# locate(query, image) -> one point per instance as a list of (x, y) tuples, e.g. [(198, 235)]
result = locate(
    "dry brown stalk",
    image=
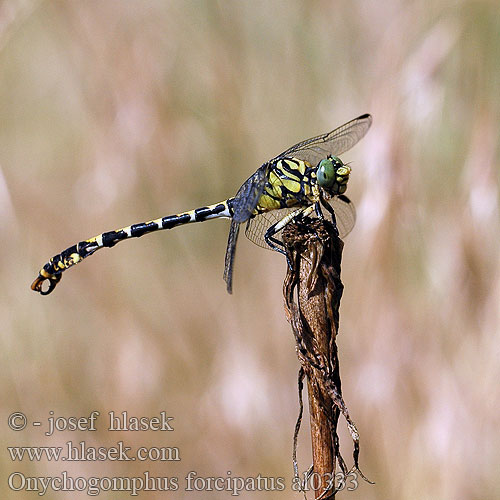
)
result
[(312, 291)]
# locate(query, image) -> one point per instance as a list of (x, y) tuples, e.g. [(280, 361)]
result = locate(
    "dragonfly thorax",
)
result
[(332, 175)]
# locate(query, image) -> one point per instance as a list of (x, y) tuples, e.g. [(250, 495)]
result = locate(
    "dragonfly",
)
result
[(298, 183)]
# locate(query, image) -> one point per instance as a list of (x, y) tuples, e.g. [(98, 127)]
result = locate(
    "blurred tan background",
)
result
[(114, 112)]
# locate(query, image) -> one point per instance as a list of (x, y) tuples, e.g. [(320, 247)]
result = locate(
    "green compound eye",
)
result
[(326, 173)]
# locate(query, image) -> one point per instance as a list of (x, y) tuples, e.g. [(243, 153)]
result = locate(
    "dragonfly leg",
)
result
[(319, 212), (329, 209), (274, 243)]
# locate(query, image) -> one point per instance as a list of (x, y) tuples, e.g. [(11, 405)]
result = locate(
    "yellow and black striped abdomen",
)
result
[(53, 269), (290, 182)]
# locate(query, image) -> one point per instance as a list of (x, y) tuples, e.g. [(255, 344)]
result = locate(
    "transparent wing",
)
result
[(345, 216), (234, 229), (256, 228), (336, 142), (248, 195), (243, 204)]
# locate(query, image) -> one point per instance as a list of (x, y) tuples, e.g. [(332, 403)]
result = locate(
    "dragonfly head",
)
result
[(332, 175)]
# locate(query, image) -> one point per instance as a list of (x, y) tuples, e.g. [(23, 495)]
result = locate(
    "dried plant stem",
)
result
[(312, 291), (323, 452)]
